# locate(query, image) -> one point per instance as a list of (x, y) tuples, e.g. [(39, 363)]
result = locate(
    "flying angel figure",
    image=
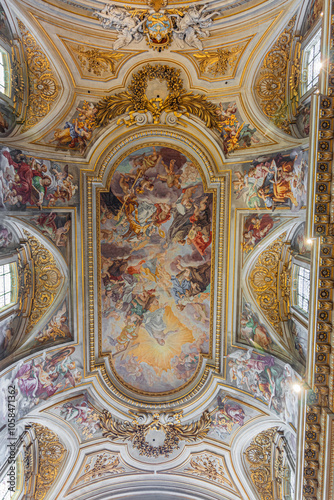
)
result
[(126, 24), (56, 327), (192, 25)]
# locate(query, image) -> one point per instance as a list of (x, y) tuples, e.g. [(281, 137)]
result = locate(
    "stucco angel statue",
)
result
[(128, 26), (183, 25), (192, 25)]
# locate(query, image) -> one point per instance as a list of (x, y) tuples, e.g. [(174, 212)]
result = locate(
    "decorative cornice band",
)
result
[(321, 399)]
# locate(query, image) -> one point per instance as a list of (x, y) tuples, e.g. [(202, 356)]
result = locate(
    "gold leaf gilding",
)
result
[(270, 85), (43, 85), (263, 281), (51, 453), (47, 280), (98, 61)]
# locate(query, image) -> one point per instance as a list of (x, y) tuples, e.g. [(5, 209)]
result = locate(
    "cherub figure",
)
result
[(171, 178)]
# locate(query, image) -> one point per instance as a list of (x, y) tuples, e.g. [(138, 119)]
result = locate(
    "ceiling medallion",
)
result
[(184, 25), (135, 102), (168, 425)]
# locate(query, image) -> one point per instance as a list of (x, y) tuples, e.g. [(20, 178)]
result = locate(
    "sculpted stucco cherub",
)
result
[(184, 26)]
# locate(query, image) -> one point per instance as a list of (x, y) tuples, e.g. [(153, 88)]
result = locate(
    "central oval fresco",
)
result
[(156, 252)]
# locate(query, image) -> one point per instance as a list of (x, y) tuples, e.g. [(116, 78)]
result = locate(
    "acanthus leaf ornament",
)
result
[(217, 62), (43, 86), (210, 467), (100, 466), (51, 454), (98, 61), (258, 455), (185, 26), (48, 280), (263, 281), (137, 430), (271, 81), (135, 103)]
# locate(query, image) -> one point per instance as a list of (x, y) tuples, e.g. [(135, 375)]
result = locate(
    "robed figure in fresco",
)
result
[(156, 237)]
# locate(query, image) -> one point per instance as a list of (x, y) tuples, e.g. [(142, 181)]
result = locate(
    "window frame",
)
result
[(313, 37), (14, 286), (300, 314), (7, 71)]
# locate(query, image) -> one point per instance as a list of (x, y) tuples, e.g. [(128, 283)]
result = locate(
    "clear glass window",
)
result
[(303, 288), (4, 72), (8, 286), (311, 64)]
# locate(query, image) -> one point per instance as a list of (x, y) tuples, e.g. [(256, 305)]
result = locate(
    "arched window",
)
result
[(311, 63), (301, 288), (8, 285), (4, 72)]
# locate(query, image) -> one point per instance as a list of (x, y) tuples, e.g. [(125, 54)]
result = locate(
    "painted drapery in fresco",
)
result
[(156, 235)]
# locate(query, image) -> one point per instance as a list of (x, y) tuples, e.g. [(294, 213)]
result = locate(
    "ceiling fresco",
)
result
[(166, 251), (156, 255)]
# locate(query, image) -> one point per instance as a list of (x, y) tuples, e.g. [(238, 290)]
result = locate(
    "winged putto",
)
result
[(185, 26)]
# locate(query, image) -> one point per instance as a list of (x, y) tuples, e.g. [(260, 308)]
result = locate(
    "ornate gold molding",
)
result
[(25, 282), (264, 281), (137, 430), (99, 466), (270, 86), (134, 103), (218, 62), (258, 455), (321, 399), (47, 280), (51, 453), (119, 150), (209, 467), (97, 61), (17, 80), (294, 79), (43, 85)]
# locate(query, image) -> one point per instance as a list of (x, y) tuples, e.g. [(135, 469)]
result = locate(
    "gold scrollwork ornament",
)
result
[(51, 453), (134, 101), (44, 87), (263, 281), (98, 61), (170, 425), (270, 85), (47, 280)]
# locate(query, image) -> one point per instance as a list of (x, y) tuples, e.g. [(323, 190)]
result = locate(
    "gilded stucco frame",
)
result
[(218, 189)]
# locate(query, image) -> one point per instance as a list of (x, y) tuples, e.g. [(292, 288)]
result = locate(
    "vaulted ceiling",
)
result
[(157, 200)]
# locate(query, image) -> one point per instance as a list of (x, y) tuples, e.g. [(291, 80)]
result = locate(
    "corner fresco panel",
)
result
[(29, 182), (253, 332), (266, 378), (229, 417), (81, 415), (256, 227), (156, 234), (272, 182)]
